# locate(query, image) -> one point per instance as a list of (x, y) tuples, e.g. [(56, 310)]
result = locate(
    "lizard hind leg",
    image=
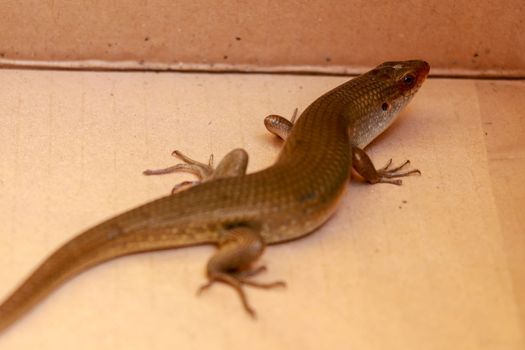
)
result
[(232, 263), (233, 164)]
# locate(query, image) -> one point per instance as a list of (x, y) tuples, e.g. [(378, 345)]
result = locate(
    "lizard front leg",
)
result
[(361, 162), (363, 165), (280, 126)]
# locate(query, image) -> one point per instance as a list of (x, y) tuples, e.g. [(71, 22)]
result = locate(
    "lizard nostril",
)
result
[(385, 106)]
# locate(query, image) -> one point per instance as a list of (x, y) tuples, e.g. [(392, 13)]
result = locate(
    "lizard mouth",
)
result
[(422, 72)]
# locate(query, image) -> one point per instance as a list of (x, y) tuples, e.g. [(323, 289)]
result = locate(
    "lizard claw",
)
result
[(237, 283), (201, 170), (365, 168), (386, 174)]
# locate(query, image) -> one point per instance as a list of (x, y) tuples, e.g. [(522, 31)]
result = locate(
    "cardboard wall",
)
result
[(457, 38)]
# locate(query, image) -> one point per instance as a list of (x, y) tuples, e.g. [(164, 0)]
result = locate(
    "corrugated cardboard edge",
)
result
[(238, 68)]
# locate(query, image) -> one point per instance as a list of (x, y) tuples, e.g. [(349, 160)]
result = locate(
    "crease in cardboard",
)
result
[(241, 68)]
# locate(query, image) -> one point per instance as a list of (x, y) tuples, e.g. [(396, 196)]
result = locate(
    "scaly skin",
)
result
[(241, 213)]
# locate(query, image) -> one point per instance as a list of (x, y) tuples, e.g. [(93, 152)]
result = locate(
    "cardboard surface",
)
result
[(434, 264), (470, 38)]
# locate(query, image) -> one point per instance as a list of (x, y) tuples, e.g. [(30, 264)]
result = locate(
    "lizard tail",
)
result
[(101, 243)]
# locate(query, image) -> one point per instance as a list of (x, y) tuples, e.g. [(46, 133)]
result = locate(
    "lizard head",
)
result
[(399, 81), (386, 91)]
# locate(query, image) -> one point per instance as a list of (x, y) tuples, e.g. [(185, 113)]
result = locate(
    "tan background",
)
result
[(468, 38), (434, 264)]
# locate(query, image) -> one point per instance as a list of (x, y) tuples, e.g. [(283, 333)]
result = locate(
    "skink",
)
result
[(242, 213)]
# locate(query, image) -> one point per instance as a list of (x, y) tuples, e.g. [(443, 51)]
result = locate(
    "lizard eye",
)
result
[(409, 80)]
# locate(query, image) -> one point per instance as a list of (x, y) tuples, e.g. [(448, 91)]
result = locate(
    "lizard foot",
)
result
[(239, 248), (386, 173), (363, 165), (201, 170), (237, 281)]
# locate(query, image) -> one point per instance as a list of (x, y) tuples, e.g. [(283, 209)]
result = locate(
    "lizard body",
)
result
[(241, 213)]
